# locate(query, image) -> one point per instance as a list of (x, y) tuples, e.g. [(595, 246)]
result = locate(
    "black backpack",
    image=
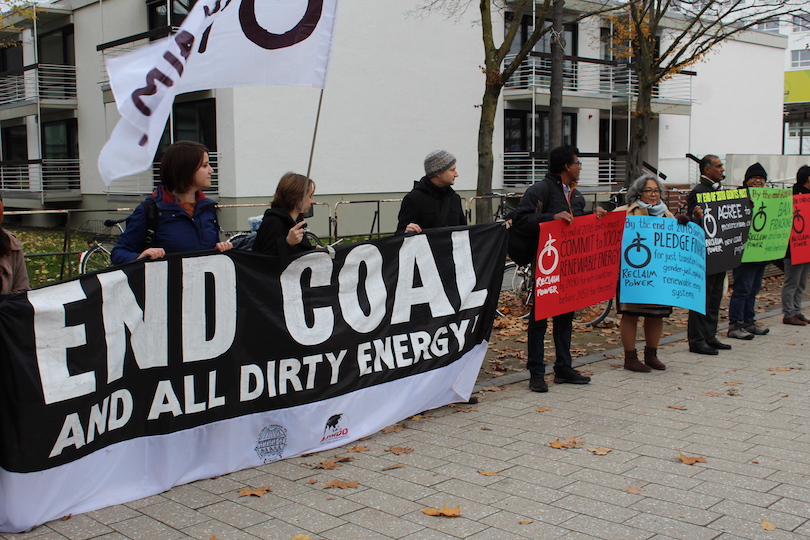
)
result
[(151, 212), (521, 247)]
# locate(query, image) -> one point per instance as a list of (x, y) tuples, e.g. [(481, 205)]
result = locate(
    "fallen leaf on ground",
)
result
[(312, 481), (443, 511), (394, 467), (600, 451), (691, 460), (785, 395), (543, 409), (491, 388), (733, 392), (711, 394), (635, 490), (767, 525), (359, 449), (394, 429), (420, 416), (570, 442), (490, 429), (399, 450), (488, 473), (678, 407), (332, 463), (525, 521), (790, 343), (364, 438), (67, 517), (340, 484), (298, 537), (471, 409), (255, 492), (733, 383)]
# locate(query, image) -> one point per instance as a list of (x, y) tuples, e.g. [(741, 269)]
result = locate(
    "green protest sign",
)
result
[(771, 220)]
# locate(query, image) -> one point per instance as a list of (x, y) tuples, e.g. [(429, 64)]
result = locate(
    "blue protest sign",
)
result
[(663, 262)]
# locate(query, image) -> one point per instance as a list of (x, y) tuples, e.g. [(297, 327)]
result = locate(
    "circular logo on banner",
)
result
[(798, 221), (337, 427), (548, 258), (709, 222), (760, 218), (271, 443), (637, 254), (268, 40)]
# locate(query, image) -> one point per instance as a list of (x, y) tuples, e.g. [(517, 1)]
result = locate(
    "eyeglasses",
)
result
[(577, 163), (651, 191)]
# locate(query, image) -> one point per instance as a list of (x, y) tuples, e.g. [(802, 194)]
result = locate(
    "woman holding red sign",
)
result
[(644, 199)]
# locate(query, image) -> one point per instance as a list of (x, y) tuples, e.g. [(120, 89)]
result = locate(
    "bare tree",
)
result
[(663, 37), (497, 71)]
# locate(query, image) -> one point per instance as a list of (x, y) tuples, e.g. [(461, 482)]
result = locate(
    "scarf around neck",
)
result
[(653, 210)]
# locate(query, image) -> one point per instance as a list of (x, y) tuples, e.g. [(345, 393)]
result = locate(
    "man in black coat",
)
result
[(432, 202), (702, 329), (555, 197)]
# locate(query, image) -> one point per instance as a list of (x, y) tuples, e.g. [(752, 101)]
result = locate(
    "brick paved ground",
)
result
[(740, 410)]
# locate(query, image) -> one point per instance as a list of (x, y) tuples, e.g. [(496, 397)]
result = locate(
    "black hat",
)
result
[(755, 170)]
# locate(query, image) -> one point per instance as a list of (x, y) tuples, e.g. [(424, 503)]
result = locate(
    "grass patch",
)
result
[(43, 270)]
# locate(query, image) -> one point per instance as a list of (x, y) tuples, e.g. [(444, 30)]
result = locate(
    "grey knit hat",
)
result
[(437, 162)]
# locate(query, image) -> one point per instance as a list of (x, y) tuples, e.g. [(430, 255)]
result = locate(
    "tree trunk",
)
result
[(556, 87), (486, 128), (641, 119)]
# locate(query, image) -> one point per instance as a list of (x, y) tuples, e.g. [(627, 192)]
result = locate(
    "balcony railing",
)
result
[(40, 176), (598, 78), (143, 183), (521, 169), (38, 82)]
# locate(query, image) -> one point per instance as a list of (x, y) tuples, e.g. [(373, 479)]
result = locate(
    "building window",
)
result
[(518, 134), (769, 26), (15, 143), (800, 59), (157, 10), (192, 121), (801, 23), (60, 139)]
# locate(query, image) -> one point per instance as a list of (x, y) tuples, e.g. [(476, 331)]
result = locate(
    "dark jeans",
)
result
[(703, 328), (562, 342), (747, 283)]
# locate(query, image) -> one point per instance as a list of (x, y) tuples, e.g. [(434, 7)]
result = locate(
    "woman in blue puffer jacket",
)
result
[(187, 219)]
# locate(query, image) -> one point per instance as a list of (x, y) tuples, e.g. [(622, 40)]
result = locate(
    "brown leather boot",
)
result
[(632, 363), (651, 358)]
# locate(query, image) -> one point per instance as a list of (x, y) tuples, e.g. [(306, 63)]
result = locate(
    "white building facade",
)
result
[(402, 82)]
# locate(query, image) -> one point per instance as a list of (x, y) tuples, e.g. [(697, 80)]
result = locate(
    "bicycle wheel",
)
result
[(515, 296), (95, 258), (593, 315)]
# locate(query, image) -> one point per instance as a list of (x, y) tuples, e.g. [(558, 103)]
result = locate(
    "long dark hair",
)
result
[(291, 191), (5, 241)]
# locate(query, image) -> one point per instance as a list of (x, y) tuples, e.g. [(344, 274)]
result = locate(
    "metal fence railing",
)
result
[(38, 82)]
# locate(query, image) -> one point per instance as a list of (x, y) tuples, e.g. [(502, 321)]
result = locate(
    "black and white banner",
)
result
[(121, 384), (221, 44)]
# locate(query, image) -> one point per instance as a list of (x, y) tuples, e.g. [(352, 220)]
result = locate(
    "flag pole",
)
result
[(314, 135)]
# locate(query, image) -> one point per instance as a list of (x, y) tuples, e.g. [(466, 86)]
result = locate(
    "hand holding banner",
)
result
[(663, 262), (577, 265)]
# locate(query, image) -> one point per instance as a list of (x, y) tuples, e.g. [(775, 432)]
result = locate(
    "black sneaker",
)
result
[(537, 383), (570, 375)]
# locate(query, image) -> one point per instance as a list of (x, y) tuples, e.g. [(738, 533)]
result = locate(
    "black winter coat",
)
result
[(423, 206), (271, 239)]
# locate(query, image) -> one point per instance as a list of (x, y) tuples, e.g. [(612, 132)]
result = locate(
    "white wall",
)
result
[(738, 100)]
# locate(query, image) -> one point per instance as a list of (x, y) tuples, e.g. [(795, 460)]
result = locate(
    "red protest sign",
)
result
[(800, 233), (578, 264)]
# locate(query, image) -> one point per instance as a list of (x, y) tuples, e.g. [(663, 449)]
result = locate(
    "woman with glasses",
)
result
[(644, 199)]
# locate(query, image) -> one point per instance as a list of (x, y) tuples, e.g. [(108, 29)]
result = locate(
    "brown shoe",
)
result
[(802, 317), (651, 358), (632, 363), (794, 320)]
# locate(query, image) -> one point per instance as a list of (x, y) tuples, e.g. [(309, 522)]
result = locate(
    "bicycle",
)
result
[(97, 256), (515, 297)]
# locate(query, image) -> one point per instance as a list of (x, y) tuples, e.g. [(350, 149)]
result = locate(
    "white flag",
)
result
[(221, 44)]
